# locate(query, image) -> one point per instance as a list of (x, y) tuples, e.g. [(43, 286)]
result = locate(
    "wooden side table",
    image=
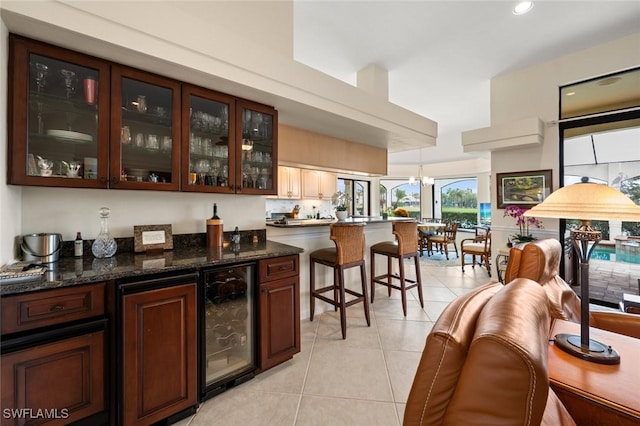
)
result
[(597, 394)]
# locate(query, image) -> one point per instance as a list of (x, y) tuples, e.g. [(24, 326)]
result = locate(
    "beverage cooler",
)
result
[(228, 328)]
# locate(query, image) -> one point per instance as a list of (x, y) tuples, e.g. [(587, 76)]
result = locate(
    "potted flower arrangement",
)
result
[(523, 223), (340, 202)]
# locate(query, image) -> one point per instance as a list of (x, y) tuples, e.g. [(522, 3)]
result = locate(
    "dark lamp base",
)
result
[(596, 352)]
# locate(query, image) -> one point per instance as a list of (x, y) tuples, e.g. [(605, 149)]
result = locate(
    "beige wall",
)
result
[(301, 148), (533, 92)]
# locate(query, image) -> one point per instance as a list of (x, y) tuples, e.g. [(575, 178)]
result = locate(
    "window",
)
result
[(396, 194), (604, 147), (359, 196), (457, 200)]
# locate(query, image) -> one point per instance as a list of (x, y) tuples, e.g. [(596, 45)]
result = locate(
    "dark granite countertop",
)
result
[(298, 223), (70, 271)]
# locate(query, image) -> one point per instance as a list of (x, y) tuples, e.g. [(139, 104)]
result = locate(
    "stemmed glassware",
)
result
[(255, 172), (215, 170), (68, 81), (41, 74), (40, 107)]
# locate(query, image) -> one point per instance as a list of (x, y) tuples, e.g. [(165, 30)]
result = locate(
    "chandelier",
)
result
[(424, 180)]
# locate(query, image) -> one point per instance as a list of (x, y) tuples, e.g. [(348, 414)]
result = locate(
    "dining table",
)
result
[(430, 226)]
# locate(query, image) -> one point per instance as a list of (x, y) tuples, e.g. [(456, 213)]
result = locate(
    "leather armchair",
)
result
[(485, 362), (540, 261)]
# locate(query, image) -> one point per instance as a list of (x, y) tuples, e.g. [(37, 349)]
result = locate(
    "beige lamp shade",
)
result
[(587, 201)]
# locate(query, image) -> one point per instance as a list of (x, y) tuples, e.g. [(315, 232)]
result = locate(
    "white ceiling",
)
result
[(441, 55)]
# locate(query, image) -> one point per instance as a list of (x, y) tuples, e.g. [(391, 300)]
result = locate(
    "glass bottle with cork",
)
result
[(214, 229)]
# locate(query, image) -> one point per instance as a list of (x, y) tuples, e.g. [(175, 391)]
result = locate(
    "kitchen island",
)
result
[(313, 234)]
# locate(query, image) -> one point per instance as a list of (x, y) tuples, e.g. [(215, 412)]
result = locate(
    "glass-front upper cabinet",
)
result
[(256, 128), (59, 106), (145, 130), (208, 154)]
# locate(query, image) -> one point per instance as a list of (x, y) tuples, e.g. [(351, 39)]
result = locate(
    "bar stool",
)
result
[(405, 246), (348, 253)]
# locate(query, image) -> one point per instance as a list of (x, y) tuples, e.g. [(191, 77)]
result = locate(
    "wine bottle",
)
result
[(214, 229)]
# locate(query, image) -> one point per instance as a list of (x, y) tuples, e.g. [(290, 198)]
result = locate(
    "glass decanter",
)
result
[(104, 244)]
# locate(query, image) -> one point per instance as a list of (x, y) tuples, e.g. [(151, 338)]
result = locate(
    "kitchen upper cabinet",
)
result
[(288, 183), (145, 122), (318, 185), (208, 148), (58, 116), (78, 121), (256, 149)]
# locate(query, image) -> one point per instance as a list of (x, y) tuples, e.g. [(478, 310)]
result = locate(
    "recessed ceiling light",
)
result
[(570, 93), (523, 7), (608, 81)]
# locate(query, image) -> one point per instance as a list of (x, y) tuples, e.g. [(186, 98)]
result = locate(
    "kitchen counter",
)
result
[(293, 223), (70, 271)]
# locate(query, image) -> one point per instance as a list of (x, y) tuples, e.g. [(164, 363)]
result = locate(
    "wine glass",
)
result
[(255, 172), (68, 81), (40, 107), (215, 170), (41, 74), (225, 174)]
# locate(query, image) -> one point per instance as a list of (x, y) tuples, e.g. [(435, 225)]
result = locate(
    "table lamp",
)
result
[(586, 201)]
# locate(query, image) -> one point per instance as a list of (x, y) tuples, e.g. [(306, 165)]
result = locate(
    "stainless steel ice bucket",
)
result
[(42, 247)]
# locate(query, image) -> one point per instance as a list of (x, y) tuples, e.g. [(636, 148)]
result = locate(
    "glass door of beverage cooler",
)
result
[(145, 132), (208, 152), (229, 345)]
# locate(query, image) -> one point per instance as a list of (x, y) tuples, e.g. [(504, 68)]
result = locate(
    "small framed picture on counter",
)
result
[(152, 238)]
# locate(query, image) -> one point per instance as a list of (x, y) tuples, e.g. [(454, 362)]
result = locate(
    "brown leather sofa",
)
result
[(485, 362), (540, 261)]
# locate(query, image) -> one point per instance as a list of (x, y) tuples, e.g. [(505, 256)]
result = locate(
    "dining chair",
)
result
[(479, 246), (442, 241)]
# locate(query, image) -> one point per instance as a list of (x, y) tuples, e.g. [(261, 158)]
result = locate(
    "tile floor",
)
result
[(363, 380)]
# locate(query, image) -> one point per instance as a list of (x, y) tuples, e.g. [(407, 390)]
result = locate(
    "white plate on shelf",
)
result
[(69, 135)]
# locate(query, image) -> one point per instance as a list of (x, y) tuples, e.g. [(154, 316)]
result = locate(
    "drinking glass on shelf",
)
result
[(41, 74), (68, 82), (140, 140), (125, 135), (152, 142), (141, 103), (255, 172), (225, 175), (40, 107)]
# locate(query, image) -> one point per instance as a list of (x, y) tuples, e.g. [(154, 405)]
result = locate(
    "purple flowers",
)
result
[(522, 222)]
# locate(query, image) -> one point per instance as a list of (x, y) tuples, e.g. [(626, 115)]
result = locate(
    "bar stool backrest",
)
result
[(407, 235), (349, 240)]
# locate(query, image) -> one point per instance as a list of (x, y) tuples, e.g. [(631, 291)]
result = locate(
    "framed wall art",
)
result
[(151, 238), (524, 189)]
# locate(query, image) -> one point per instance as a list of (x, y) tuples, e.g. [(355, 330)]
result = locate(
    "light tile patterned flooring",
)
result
[(363, 380)]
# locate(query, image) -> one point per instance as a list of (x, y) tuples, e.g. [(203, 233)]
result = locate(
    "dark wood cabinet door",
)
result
[(256, 165), (58, 127), (145, 130), (64, 379), (159, 371), (279, 321), (208, 136)]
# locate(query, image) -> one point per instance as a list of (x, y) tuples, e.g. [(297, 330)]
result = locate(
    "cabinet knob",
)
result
[(115, 180), (56, 308)]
